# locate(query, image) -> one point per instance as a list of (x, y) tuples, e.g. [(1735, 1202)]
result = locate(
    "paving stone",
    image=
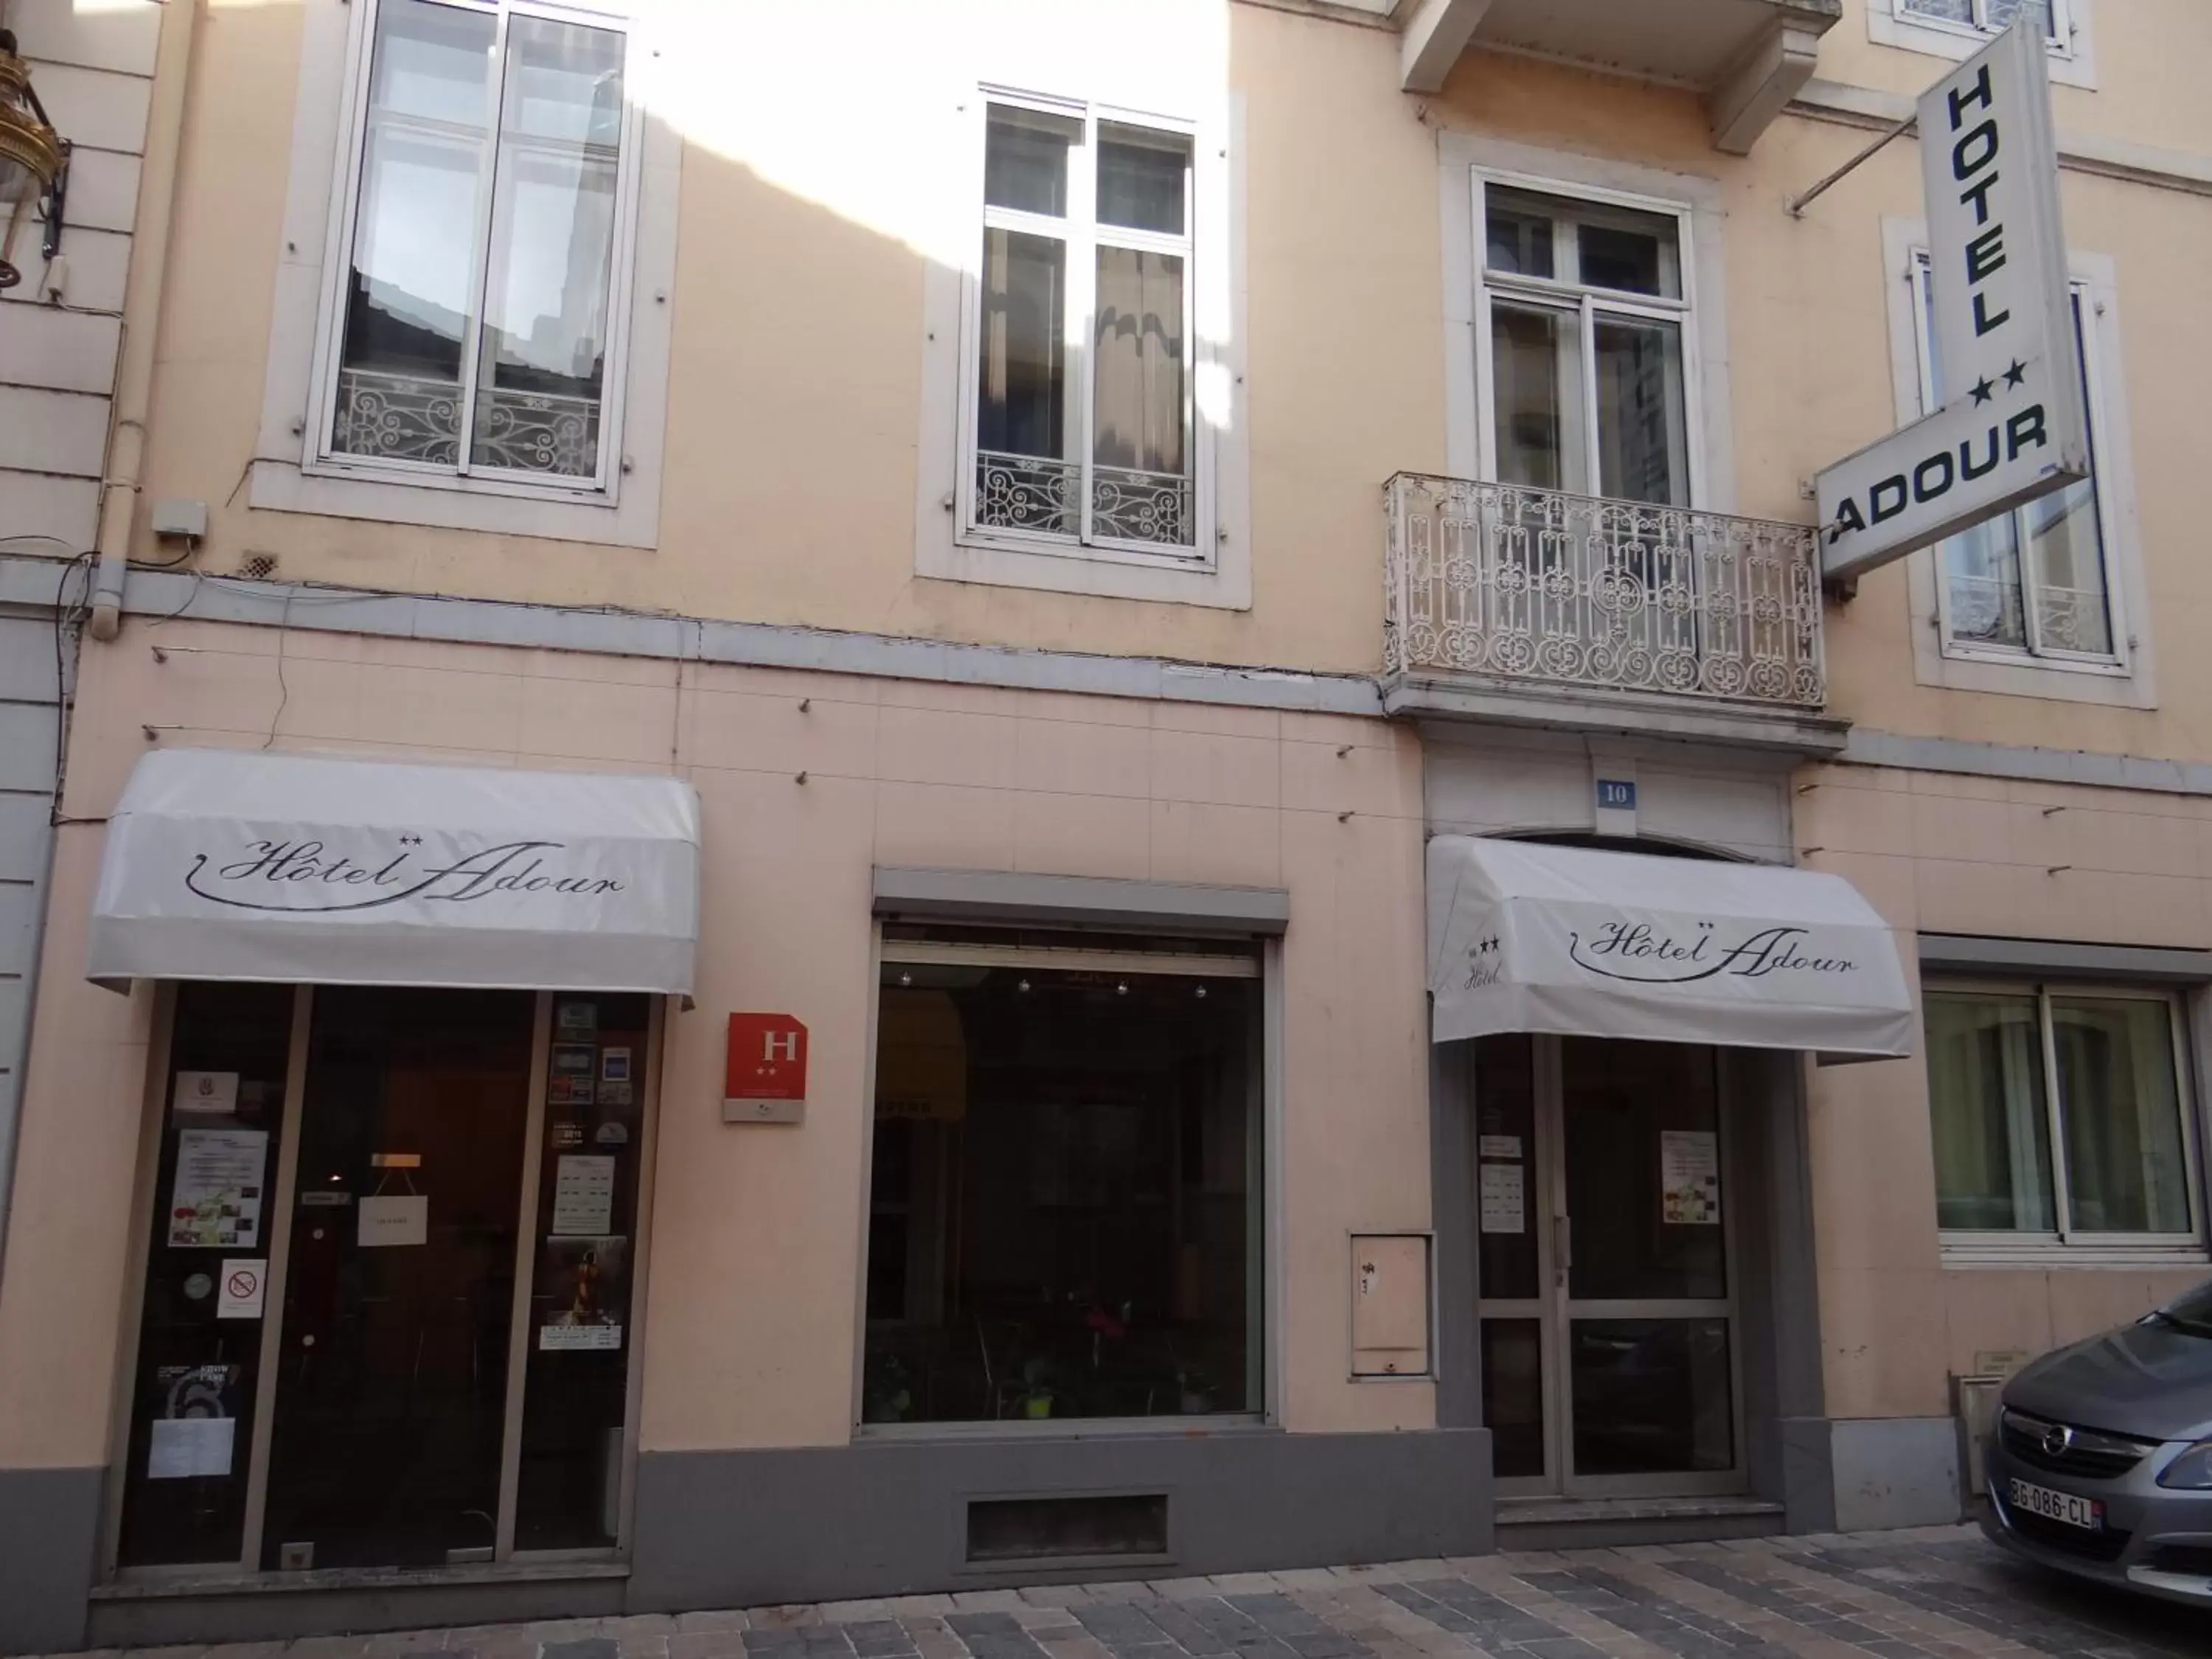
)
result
[(706, 1644), (726, 1619), (591, 1647)]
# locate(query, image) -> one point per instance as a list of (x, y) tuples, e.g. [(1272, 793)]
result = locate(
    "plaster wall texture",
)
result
[(752, 1315), (1942, 854)]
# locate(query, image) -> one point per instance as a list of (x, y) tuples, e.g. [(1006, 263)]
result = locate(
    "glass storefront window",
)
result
[(198, 1372), (2058, 1114), (577, 1390), (1064, 1214)]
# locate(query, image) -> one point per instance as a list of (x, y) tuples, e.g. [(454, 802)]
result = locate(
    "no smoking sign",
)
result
[(241, 1289)]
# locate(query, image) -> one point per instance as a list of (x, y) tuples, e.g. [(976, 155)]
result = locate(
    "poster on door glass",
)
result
[(196, 1434), (1689, 1177), (585, 1281), (1503, 1210), (214, 1202)]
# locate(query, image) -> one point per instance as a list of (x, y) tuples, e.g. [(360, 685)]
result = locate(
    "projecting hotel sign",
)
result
[(2013, 425)]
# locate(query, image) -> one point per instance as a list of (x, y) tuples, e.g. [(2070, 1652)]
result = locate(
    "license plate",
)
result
[(2063, 1507)]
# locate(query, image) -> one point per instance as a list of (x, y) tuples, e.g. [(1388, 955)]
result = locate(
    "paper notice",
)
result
[(1503, 1209), (216, 1198), (583, 1195), (575, 1339), (1505, 1147), (186, 1448), (393, 1218), (1689, 1177), (214, 1094)]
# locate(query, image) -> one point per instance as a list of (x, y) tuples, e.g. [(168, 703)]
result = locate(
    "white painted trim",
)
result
[(2073, 64), (287, 474), (1699, 204), (2132, 681), (1219, 572)]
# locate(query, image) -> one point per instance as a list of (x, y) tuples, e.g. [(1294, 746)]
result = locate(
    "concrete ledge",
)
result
[(1588, 709), (889, 1517)]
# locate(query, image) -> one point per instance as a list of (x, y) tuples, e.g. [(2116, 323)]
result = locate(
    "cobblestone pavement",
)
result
[(1937, 1594)]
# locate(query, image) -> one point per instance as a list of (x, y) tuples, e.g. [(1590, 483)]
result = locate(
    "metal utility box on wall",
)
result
[(1393, 1305)]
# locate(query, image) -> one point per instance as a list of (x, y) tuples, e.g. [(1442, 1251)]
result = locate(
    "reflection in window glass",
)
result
[(1536, 383), (551, 260), (1025, 160), (2125, 1169), (1641, 424), (1986, 1102), (1023, 398), (484, 235), (1518, 242), (1513, 1396), (1141, 180), (410, 303), (2054, 599), (1118, 463), (1063, 1215)]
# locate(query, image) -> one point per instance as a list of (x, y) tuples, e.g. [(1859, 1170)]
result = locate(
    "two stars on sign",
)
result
[(2013, 376)]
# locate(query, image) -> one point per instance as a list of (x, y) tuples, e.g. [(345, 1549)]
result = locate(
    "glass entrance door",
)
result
[(1607, 1310), (398, 1297)]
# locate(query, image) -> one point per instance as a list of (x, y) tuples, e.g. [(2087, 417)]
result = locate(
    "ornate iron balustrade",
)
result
[(1500, 581), (1030, 492), (416, 418)]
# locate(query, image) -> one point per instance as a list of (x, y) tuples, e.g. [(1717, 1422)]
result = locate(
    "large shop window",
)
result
[(2060, 1117), (1065, 1213), (1083, 423), (1587, 313), (470, 329), (358, 1348), (2036, 582)]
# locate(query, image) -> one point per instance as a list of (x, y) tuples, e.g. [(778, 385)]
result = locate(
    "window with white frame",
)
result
[(1585, 307), (471, 328), (1990, 16), (1080, 422), (2061, 1115), (2036, 582)]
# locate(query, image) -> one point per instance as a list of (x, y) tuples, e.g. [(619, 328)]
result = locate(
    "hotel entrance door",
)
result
[(1605, 1280)]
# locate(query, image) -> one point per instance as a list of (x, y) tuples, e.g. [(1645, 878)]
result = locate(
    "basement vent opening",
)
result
[(1052, 1528)]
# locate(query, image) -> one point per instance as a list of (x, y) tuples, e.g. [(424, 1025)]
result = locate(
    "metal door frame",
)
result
[(1555, 1309), (277, 1238)]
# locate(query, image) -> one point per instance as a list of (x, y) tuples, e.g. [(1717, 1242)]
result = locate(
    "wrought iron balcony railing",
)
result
[(1500, 583)]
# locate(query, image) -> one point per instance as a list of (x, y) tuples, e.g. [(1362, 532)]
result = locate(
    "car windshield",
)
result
[(2191, 1312)]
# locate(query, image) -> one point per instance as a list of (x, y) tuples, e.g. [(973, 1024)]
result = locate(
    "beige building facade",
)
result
[(1055, 518)]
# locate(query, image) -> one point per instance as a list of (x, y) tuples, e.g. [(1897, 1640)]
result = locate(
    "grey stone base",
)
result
[(49, 1549), (269, 1608), (889, 1517), (1895, 1472)]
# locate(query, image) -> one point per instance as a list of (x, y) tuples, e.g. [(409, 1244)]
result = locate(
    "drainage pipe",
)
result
[(142, 301)]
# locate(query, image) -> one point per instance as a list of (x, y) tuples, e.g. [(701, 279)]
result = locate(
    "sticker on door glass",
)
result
[(215, 1198), (583, 1195), (1504, 1147), (1689, 1177), (1503, 1209)]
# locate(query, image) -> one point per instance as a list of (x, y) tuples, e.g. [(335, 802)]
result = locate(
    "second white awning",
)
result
[(1573, 941)]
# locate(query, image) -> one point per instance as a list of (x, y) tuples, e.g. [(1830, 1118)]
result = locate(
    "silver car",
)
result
[(2101, 1461)]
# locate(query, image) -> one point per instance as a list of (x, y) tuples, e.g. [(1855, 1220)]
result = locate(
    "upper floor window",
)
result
[(1081, 418), (1991, 17), (1585, 308), (472, 322), (2060, 1115), (2037, 582)]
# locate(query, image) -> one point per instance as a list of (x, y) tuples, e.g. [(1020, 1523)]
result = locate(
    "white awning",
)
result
[(235, 864), (1524, 936)]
